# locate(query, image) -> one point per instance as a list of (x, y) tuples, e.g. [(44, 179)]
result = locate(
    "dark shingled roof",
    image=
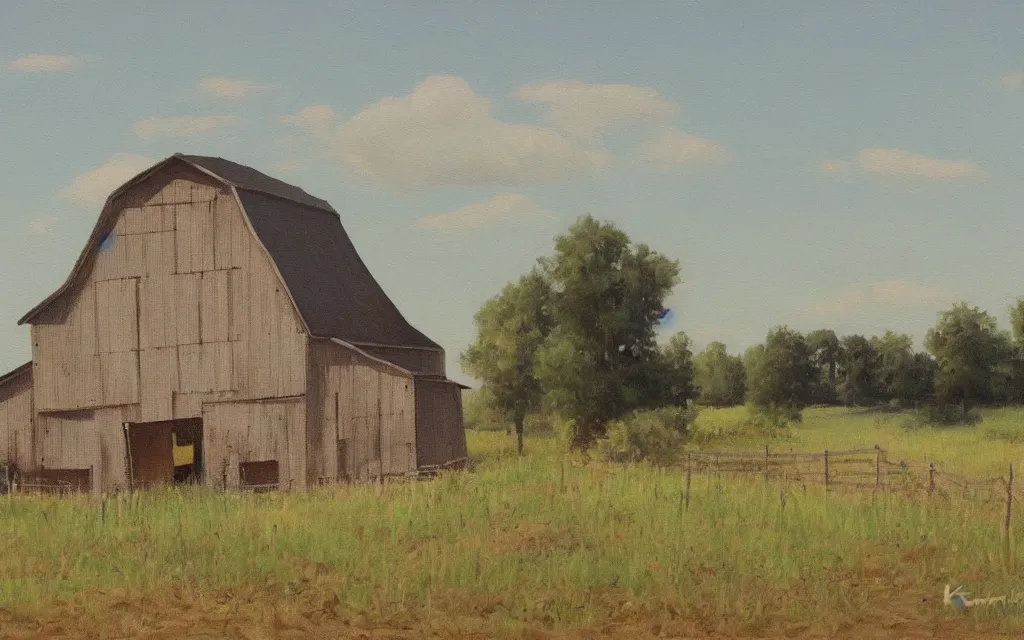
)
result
[(250, 179), (333, 289)]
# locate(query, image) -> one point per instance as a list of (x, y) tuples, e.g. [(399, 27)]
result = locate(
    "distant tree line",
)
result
[(576, 336)]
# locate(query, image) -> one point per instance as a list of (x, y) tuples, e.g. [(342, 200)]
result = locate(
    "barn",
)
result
[(220, 326)]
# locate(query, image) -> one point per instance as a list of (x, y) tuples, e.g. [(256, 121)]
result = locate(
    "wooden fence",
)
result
[(853, 469)]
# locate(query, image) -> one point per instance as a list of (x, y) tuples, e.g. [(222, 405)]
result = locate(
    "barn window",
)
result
[(259, 476)]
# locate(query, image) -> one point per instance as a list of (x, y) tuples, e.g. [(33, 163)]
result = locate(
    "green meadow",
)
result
[(555, 541)]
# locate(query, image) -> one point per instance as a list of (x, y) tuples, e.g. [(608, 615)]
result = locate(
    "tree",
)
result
[(824, 347), (894, 357), (602, 361), (511, 327), (857, 371), (779, 372), (972, 356), (680, 373), (720, 378)]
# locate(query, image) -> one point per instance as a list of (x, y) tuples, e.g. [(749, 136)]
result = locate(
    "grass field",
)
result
[(543, 546)]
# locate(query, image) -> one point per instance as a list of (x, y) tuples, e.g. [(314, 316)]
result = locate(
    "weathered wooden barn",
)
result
[(222, 311)]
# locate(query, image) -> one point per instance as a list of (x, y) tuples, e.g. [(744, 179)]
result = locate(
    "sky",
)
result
[(852, 165)]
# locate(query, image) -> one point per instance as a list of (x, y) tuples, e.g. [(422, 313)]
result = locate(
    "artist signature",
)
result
[(959, 599)]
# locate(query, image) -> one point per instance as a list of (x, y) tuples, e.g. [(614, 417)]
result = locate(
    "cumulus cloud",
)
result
[(674, 148), (587, 111), (1011, 81), (42, 63), (42, 225), (230, 89), (887, 294), (834, 166), (93, 187), (316, 119), (898, 162), (443, 133), (481, 214), (155, 127)]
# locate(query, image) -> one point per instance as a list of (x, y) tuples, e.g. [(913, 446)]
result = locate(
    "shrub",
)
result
[(942, 415), (654, 436), (480, 414)]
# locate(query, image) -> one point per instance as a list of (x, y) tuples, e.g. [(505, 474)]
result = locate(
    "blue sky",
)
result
[(851, 165)]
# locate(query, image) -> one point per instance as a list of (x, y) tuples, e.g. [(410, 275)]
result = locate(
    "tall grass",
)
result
[(537, 537)]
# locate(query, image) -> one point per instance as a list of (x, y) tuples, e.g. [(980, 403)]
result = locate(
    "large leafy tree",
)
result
[(511, 327), (972, 356), (720, 377), (825, 350), (602, 360), (779, 372), (858, 364), (678, 356)]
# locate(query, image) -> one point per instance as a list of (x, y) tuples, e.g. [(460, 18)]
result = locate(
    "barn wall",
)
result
[(352, 400), (87, 439), (181, 301), (16, 421), (180, 307), (426, 361), (440, 433), (255, 431)]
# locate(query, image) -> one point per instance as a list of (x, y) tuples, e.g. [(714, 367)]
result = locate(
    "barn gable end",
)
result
[(213, 297)]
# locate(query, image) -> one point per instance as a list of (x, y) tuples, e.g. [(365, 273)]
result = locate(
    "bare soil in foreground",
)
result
[(309, 609)]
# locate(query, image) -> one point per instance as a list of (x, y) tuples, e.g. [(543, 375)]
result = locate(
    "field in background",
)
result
[(542, 546)]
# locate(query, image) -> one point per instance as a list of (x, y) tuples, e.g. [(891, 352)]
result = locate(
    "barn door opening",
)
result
[(167, 452)]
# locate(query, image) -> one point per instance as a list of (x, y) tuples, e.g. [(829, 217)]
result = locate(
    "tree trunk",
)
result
[(519, 435)]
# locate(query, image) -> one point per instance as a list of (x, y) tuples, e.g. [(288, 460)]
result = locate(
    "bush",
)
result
[(656, 436), (773, 420), (479, 413), (942, 415)]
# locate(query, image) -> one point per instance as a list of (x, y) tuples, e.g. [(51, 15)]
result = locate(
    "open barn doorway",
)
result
[(167, 452)]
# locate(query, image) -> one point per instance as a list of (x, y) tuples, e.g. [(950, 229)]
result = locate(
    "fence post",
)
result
[(931, 477), (878, 467), (1009, 511), (826, 469), (765, 462), (689, 469)]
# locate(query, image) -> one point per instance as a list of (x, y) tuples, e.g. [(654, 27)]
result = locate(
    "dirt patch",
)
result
[(310, 608)]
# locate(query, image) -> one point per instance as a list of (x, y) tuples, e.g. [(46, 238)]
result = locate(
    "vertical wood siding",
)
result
[(365, 405), (16, 421), (180, 307), (237, 432), (440, 434)]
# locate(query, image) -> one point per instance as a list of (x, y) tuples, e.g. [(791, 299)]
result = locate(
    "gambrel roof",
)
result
[(333, 291)]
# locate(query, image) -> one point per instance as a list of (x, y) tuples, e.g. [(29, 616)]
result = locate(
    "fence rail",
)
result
[(857, 469)]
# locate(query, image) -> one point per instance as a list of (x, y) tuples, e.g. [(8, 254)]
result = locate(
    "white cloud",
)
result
[(481, 214), (587, 111), (179, 126), (42, 225), (888, 294), (316, 119), (443, 133), (674, 148), (1011, 81), (230, 89), (897, 162), (41, 63), (834, 166), (93, 187)]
